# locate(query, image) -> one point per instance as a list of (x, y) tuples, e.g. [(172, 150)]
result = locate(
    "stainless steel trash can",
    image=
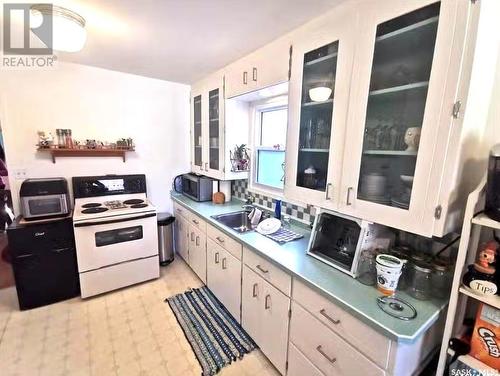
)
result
[(165, 238)]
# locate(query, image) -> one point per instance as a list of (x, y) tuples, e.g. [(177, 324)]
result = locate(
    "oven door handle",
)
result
[(97, 223)]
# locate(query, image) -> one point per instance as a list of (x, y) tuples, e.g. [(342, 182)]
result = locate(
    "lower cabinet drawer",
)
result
[(267, 270), (325, 349), (299, 365), (343, 323), (180, 210), (196, 221), (229, 244)]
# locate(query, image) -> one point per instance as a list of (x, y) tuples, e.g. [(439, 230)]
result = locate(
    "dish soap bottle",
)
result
[(277, 210)]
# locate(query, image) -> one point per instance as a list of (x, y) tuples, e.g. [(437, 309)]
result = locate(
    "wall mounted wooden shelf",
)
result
[(85, 153)]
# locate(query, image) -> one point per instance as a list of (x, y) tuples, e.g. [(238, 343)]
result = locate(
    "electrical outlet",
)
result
[(20, 174)]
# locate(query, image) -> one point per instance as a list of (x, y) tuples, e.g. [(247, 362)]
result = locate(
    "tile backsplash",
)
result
[(303, 214)]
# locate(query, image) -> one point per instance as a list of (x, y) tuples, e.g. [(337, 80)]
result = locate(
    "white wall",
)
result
[(96, 104)]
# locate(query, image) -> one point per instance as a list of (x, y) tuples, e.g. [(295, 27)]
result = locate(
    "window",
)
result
[(268, 169)]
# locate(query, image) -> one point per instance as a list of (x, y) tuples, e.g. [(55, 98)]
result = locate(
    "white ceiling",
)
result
[(183, 40)]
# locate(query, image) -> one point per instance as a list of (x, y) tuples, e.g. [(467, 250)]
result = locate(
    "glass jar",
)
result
[(367, 269), (60, 138), (402, 254), (420, 280), (441, 279)]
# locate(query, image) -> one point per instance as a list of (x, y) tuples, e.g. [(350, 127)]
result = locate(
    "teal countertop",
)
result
[(347, 292)]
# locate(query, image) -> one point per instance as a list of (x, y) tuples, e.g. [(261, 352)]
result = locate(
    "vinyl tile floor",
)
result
[(131, 331)]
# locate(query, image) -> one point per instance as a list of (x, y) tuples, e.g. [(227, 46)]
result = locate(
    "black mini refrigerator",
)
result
[(44, 262)]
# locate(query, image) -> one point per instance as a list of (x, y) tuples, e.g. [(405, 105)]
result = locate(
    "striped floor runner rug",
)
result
[(215, 336)]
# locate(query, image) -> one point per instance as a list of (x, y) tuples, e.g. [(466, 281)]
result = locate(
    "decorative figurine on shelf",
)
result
[(412, 138), (480, 277), (45, 141)]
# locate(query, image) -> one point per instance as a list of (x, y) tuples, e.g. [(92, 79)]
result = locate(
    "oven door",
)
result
[(110, 241), (336, 240), (44, 206), (191, 186)]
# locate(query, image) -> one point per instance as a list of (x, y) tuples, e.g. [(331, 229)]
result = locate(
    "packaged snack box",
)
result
[(485, 342)]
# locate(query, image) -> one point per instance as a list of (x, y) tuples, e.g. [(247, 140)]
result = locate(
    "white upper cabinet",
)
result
[(267, 66), (372, 127), (211, 140), (197, 131), (396, 110), (318, 102), (207, 127)]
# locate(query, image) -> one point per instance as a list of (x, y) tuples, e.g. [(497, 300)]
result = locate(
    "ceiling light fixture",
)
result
[(69, 33)]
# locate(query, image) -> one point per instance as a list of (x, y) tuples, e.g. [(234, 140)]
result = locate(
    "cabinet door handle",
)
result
[(267, 302), (219, 239), (224, 263), (192, 236), (196, 222), (245, 78), (327, 191), (206, 166), (331, 319), (216, 257), (320, 350), (262, 269), (254, 290), (197, 240), (254, 74), (348, 198)]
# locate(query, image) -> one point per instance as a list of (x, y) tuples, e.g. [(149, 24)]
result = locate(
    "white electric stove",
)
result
[(116, 232)]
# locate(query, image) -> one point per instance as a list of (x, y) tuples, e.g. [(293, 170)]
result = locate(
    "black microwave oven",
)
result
[(196, 187)]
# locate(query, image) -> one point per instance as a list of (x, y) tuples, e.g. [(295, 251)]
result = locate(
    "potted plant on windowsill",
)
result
[(239, 158)]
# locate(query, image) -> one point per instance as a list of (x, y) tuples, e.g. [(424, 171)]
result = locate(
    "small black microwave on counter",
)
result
[(196, 187)]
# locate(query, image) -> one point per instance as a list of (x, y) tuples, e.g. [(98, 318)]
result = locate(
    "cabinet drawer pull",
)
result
[(267, 302), (325, 315), (327, 191), (262, 269), (217, 257), (196, 222), (197, 240), (348, 199), (254, 290), (254, 74), (320, 350), (192, 236), (224, 263), (219, 239), (178, 210), (245, 78)]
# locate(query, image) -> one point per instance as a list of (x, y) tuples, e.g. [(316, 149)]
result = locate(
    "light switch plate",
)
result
[(20, 174)]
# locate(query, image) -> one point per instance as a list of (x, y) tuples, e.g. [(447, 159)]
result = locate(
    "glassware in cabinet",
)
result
[(401, 68), (197, 131), (318, 83), (214, 129)]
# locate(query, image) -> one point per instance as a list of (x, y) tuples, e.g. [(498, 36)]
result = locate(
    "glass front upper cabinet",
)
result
[(318, 83), (401, 68), (213, 129), (197, 135)]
